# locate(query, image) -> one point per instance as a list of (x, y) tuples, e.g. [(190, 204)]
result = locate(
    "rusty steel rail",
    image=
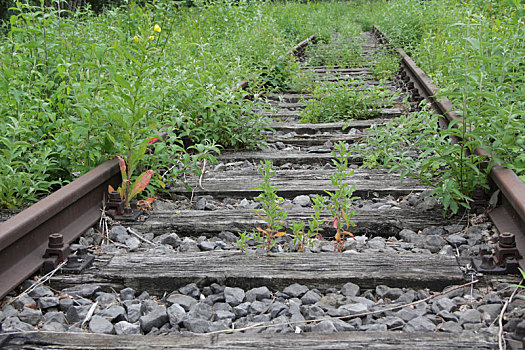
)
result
[(69, 211), (509, 215)]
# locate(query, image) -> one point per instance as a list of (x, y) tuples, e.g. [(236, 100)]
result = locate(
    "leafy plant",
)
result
[(241, 242), (129, 188), (304, 238), (385, 64), (398, 146), (272, 212), (342, 100), (341, 199), (336, 54)]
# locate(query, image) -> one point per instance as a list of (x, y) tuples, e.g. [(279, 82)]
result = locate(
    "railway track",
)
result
[(179, 270)]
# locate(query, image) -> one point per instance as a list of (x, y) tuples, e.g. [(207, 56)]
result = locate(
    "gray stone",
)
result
[(197, 325), (313, 312), (201, 310), (48, 302), (207, 246), (451, 327), (362, 300), (126, 328), (81, 290), (407, 297), (189, 245), (171, 239), (434, 230), (259, 293), (420, 324), (472, 326), (227, 236), (201, 204), (133, 312), (176, 314), (220, 325), (30, 316), (295, 290), (391, 321), (326, 326), (13, 324), (234, 296), (77, 313), (377, 243), (191, 290), (55, 316), (353, 309), (421, 251), (443, 304), (434, 243), (65, 304), (302, 200), (127, 294), (41, 291), (447, 316), (489, 311), (183, 300), (492, 298), (25, 300), (342, 326), (407, 314), (115, 313), (53, 326), (376, 327), (470, 316), (242, 310), (118, 234), (258, 306), (310, 297), (99, 324), (222, 306), (447, 250), (105, 299), (155, 318), (387, 292), (456, 240), (223, 314), (133, 243), (148, 306), (409, 236), (350, 290), (277, 308)]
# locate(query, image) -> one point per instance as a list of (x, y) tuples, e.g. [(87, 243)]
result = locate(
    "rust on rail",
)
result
[(69, 211), (509, 215)]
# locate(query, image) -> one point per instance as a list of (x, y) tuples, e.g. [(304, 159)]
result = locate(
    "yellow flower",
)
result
[(136, 38), (151, 37), (157, 28)]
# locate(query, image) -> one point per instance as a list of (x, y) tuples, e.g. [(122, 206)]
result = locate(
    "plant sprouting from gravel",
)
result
[(272, 212), (303, 238), (341, 206)]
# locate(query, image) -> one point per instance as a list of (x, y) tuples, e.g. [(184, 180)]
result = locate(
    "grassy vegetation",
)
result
[(80, 88), (475, 51)]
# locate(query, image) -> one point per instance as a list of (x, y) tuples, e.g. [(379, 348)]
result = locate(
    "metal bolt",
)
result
[(56, 240), (507, 240)]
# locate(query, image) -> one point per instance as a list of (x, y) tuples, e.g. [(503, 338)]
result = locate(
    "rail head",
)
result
[(69, 211)]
